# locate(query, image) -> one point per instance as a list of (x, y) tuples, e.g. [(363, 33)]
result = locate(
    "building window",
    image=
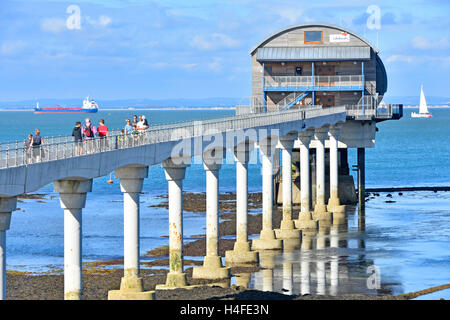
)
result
[(313, 37)]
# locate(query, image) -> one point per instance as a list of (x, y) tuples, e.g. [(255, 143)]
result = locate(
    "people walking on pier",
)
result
[(142, 124), (121, 138), (27, 147), (37, 143), (103, 133), (89, 131), (128, 127), (76, 133), (135, 134)]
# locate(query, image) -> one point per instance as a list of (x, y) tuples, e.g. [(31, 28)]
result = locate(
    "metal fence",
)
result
[(319, 81), (13, 154)]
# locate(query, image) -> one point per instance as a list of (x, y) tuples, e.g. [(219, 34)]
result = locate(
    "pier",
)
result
[(313, 116)]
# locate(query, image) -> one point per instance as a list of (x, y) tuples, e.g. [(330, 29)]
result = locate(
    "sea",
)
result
[(406, 237)]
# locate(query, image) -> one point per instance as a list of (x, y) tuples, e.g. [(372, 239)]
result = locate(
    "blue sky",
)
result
[(197, 49)]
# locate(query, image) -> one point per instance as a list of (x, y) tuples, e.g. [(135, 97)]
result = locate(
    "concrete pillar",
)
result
[(305, 220), (320, 208), (7, 206), (212, 265), (287, 228), (267, 240), (131, 286), (72, 195), (241, 254), (361, 179), (175, 171), (334, 203)]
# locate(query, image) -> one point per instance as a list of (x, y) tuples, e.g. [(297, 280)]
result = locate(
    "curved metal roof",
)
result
[(298, 26)]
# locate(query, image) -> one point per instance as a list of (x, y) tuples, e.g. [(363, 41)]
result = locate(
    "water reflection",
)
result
[(321, 263)]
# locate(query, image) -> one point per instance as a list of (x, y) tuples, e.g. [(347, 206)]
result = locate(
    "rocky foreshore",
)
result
[(101, 276)]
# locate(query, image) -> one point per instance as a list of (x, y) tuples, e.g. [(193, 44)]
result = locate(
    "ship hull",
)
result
[(420, 115), (63, 110)]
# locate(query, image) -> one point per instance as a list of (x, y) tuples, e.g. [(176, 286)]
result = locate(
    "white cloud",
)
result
[(216, 64), (420, 42), (12, 47), (53, 25), (102, 21), (399, 58), (215, 41), (289, 13)]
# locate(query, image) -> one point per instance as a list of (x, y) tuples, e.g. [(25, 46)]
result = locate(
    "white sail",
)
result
[(423, 103)]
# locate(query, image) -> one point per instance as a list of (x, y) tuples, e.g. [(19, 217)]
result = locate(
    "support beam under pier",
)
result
[(7, 206), (72, 195), (267, 240), (131, 285), (212, 265), (175, 171), (241, 254), (287, 228), (361, 178)]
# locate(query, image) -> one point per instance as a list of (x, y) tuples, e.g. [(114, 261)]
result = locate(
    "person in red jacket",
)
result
[(103, 133)]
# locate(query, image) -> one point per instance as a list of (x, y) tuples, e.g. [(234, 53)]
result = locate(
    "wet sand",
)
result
[(101, 276)]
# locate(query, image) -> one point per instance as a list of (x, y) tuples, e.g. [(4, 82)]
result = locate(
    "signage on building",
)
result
[(341, 37)]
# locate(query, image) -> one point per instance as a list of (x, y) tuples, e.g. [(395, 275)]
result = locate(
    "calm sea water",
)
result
[(407, 239)]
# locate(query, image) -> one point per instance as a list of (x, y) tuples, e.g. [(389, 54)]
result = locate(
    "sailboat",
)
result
[(423, 108)]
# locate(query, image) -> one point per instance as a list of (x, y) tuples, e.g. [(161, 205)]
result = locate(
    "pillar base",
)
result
[(288, 233), (211, 269), (322, 216), (124, 295), (305, 221), (334, 205), (131, 288), (174, 280), (241, 254), (291, 244), (72, 295), (287, 230), (267, 241)]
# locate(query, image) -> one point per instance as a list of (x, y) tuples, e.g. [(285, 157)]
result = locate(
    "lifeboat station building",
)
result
[(310, 65)]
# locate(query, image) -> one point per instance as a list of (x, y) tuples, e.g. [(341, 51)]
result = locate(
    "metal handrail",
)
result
[(62, 147), (319, 81)]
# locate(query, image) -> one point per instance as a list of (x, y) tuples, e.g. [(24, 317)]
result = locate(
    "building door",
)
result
[(324, 75)]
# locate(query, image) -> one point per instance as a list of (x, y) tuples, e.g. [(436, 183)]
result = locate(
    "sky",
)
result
[(124, 49)]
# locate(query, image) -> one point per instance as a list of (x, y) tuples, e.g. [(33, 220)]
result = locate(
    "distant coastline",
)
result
[(189, 108), (139, 109)]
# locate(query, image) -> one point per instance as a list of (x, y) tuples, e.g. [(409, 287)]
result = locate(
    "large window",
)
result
[(313, 37)]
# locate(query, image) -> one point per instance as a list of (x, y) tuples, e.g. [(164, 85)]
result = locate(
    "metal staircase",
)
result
[(291, 99)]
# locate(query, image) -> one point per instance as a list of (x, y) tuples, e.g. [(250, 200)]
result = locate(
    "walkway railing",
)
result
[(13, 154), (319, 81)]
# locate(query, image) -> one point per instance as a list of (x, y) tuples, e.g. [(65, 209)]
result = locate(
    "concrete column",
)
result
[(131, 286), (334, 203), (241, 254), (72, 195), (7, 206), (305, 220), (361, 179), (267, 239), (175, 172), (212, 265), (287, 228), (320, 208)]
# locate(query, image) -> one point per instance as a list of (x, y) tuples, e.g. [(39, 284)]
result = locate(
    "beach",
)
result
[(101, 276)]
